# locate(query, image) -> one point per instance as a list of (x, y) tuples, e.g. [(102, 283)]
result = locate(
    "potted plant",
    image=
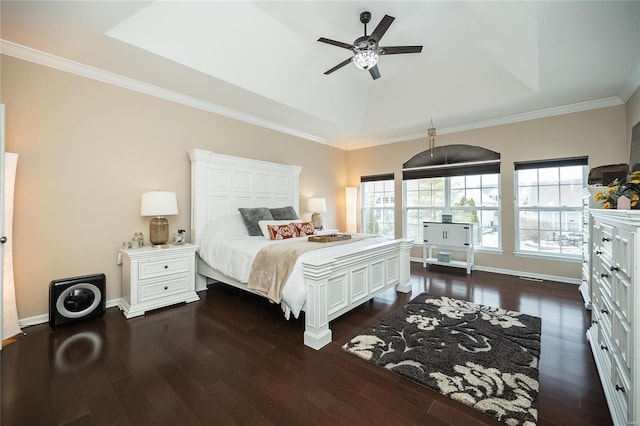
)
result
[(628, 187)]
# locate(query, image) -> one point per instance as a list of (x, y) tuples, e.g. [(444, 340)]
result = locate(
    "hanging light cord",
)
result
[(431, 137)]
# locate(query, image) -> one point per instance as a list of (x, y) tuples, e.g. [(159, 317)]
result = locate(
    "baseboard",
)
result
[(526, 275), (41, 319)]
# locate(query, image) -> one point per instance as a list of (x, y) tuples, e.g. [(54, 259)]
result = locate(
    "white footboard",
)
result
[(340, 284)]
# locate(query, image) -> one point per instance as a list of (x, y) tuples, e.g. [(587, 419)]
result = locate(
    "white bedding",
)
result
[(226, 246)]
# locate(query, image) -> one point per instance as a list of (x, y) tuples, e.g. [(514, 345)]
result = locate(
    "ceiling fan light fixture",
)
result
[(366, 49), (365, 58)]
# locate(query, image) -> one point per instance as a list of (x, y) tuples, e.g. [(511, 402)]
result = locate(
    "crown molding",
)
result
[(45, 59), (507, 119), (62, 64)]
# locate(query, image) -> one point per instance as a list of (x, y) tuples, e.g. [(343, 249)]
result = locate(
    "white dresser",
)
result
[(157, 277), (614, 332), (588, 202), (450, 236)]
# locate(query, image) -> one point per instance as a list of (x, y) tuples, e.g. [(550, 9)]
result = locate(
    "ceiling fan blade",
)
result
[(336, 43), (382, 27), (394, 50), (340, 65), (375, 72)]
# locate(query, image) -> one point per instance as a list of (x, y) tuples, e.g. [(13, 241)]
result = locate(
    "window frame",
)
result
[(448, 208), (386, 210), (563, 212)]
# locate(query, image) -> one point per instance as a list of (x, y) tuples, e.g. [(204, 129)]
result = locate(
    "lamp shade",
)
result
[(317, 205), (351, 205), (159, 203)]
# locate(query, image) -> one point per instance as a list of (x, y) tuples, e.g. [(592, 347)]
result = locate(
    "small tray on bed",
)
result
[(328, 238)]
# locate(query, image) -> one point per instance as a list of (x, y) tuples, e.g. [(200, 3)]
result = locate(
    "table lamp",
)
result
[(317, 205), (159, 204)]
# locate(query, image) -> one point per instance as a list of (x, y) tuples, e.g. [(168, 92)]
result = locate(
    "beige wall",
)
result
[(600, 134), (88, 150)]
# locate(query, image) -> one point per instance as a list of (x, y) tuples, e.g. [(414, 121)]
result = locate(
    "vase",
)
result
[(624, 203)]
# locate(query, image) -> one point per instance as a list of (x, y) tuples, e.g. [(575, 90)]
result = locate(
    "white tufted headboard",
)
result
[(222, 183)]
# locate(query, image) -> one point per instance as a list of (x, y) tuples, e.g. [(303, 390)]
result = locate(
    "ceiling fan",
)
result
[(366, 49)]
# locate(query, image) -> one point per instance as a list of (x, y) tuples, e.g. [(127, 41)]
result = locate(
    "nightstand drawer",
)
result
[(161, 267), (163, 288)]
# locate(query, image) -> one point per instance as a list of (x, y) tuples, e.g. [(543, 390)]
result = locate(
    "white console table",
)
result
[(451, 236)]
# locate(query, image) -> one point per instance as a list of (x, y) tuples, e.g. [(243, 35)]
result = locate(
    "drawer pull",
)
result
[(598, 252), (595, 321), (166, 288), (604, 311), (619, 388), (605, 239), (604, 275), (166, 266), (604, 348), (614, 268)]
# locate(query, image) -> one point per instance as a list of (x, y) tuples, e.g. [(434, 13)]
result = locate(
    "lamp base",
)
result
[(318, 221), (158, 231)]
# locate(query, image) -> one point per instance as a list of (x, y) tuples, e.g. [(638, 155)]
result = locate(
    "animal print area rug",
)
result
[(484, 357)]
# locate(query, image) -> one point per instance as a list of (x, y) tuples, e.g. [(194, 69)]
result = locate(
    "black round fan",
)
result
[(366, 49)]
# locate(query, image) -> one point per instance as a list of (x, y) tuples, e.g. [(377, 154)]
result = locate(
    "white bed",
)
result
[(332, 282)]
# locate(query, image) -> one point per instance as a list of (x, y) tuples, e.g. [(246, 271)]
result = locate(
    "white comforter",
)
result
[(233, 254)]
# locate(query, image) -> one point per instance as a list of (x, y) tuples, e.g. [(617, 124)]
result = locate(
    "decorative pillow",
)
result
[(263, 224), (226, 226), (284, 213), (282, 232), (304, 229), (251, 217)]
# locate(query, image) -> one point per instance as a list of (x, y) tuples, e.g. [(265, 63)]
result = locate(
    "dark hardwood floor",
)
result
[(232, 359)]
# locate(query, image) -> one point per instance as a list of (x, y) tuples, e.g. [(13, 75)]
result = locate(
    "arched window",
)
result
[(461, 180)]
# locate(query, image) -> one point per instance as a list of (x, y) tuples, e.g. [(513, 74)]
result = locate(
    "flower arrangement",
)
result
[(629, 187)]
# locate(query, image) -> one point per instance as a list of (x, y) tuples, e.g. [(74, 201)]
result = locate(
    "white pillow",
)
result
[(263, 224), (226, 226)]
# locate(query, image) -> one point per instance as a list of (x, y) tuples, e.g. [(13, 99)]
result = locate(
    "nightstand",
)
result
[(157, 277)]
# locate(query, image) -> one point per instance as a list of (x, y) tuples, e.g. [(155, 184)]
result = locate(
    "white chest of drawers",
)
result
[(157, 277), (615, 299), (588, 202)]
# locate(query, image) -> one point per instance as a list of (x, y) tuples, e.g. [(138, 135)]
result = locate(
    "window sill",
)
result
[(488, 251), (558, 258)]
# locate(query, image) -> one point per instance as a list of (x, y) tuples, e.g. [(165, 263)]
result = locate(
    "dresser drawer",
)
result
[(606, 313), (623, 252), (606, 240), (165, 287), (622, 294), (161, 267), (621, 389), (604, 349), (586, 272), (621, 333), (602, 272)]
